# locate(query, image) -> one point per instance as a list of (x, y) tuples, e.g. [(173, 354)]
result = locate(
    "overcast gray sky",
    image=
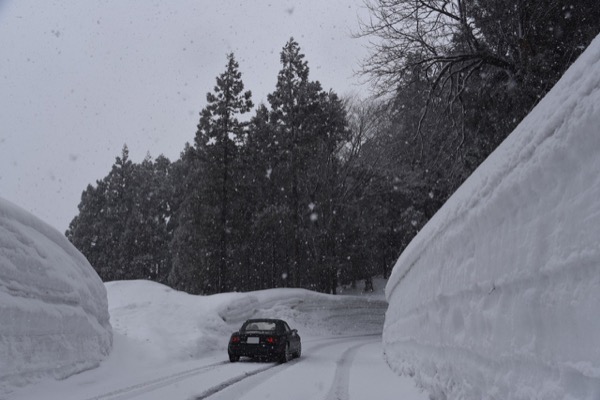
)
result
[(80, 78)]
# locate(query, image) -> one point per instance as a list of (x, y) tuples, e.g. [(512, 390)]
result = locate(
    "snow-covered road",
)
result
[(336, 368), (171, 345), (332, 368)]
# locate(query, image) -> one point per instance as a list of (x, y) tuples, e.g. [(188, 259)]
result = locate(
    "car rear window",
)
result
[(260, 326)]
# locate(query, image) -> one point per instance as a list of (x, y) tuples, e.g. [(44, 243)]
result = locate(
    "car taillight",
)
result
[(235, 339), (271, 340)]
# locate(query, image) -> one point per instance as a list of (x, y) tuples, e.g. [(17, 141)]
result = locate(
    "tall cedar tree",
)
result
[(217, 139), (267, 239), (307, 125)]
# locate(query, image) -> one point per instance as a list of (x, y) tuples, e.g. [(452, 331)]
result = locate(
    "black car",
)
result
[(265, 339)]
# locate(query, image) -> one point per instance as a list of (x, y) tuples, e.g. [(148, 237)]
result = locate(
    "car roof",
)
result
[(264, 320)]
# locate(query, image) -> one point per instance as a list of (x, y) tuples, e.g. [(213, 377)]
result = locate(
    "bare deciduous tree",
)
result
[(437, 38), (514, 50)]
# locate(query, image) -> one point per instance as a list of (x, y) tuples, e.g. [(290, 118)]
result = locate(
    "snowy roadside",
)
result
[(57, 343), (180, 326), (54, 319), (498, 295), (160, 333)]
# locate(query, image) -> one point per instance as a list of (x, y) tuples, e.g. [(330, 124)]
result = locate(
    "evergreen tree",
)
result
[(122, 223), (219, 134), (289, 103), (189, 267), (267, 238), (305, 126), (87, 231), (146, 238), (285, 199)]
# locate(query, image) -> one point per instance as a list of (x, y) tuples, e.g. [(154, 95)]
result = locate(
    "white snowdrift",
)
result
[(54, 318), (498, 296), (175, 326), (160, 332)]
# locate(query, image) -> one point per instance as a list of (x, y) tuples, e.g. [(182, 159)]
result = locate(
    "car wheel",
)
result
[(233, 358), (299, 352), (286, 356)]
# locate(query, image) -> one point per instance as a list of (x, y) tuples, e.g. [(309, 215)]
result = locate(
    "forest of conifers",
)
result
[(312, 190)]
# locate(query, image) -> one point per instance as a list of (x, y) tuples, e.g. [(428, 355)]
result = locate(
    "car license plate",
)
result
[(252, 340)]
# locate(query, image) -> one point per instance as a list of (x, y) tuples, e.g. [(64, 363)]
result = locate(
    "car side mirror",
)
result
[(294, 331)]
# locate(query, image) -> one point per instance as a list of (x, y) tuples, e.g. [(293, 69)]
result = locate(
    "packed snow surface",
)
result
[(177, 325), (498, 296), (54, 317), (169, 344)]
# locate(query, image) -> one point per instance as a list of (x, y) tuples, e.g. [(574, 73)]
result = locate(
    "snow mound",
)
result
[(54, 318), (498, 295), (173, 325), (160, 334)]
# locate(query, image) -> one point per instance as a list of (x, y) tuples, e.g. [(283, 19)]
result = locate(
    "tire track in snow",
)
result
[(340, 387), (230, 382), (243, 387), (148, 386)]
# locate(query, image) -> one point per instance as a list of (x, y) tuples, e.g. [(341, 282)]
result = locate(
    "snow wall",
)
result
[(498, 297), (54, 319)]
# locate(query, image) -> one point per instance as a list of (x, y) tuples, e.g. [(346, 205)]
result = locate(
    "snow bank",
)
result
[(176, 326), (53, 309), (498, 296), (161, 334)]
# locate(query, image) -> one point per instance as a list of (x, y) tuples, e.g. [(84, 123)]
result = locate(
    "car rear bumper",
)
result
[(256, 350)]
